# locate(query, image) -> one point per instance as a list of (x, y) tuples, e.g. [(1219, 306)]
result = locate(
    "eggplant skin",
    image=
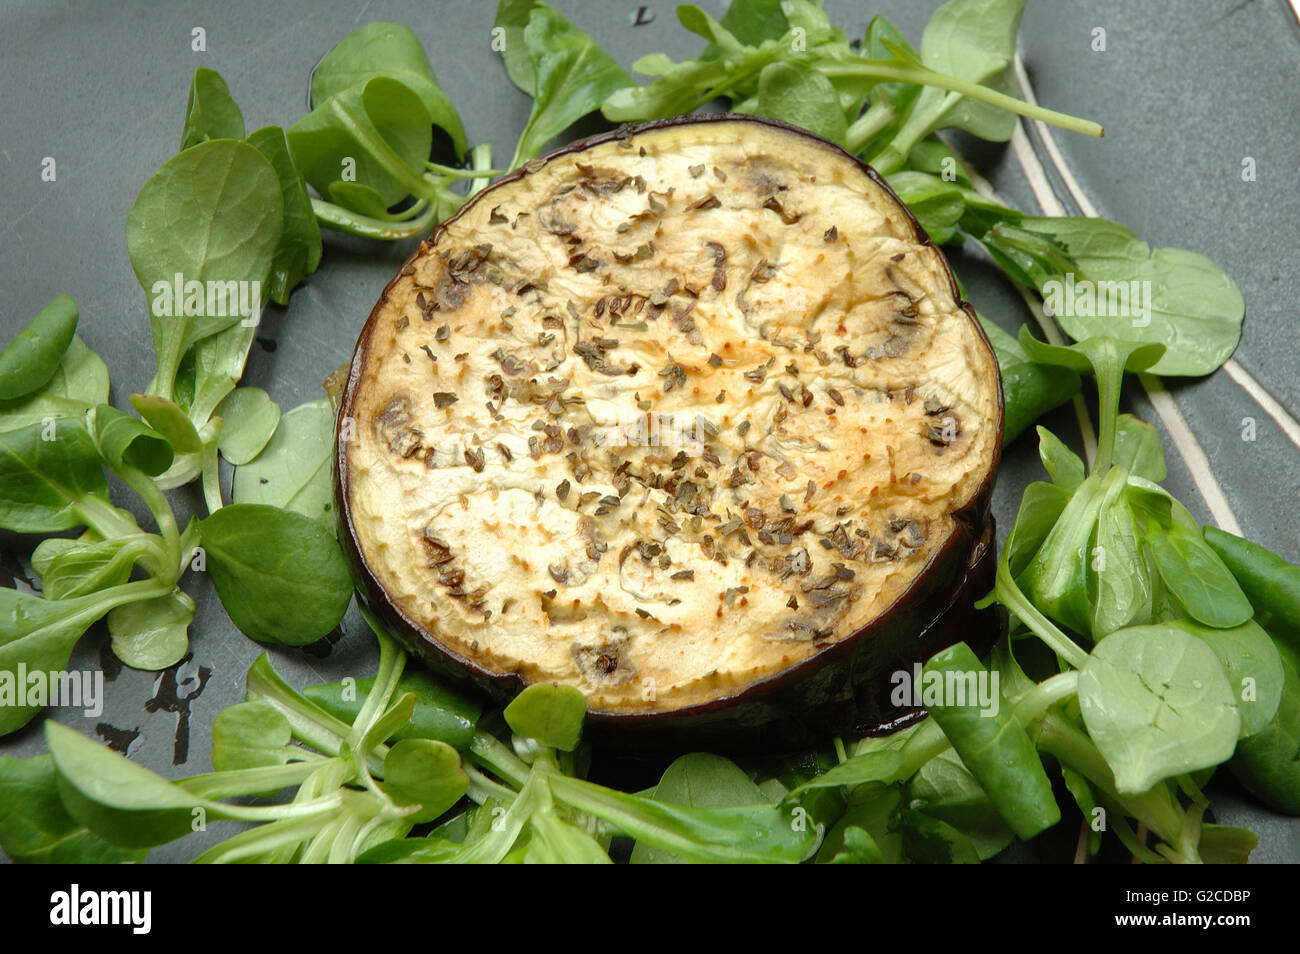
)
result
[(755, 587)]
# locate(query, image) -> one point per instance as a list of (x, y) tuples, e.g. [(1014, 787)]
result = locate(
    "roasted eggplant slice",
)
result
[(688, 416)]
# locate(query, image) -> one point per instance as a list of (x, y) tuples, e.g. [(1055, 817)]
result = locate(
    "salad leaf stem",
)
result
[(163, 516), (255, 843), (841, 755), (253, 781), (901, 71), (505, 830), (867, 126), (344, 220), (483, 788), (107, 521), (492, 753), (86, 609), (1034, 704), (1130, 840), (391, 663), (211, 477), (1010, 595), (480, 159), (311, 724), (1108, 393), (475, 171)]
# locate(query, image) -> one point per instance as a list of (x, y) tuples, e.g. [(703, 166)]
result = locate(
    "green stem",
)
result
[(1109, 384), (376, 831), (867, 126), (474, 171), (505, 831), (318, 847), (262, 813), (211, 478), (408, 213), (736, 75), (343, 220), (106, 520), (169, 360), (254, 781), (1010, 596), (341, 849), (1120, 826), (1189, 839), (311, 724), (137, 547), (889, 160), (480, 159), (894, 155), (1192, 790), (391, 663), (380, 729), (94, 606), (922, 75), (487, 787), (163, 516), (262, 840), (189, 546), (374, 723), (1035, 703), (491, 753), (146, 549)]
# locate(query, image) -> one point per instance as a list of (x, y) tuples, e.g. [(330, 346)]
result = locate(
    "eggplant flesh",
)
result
[(689, 416)]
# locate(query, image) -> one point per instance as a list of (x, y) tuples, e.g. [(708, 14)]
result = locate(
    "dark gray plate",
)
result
[(1186, 92)]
